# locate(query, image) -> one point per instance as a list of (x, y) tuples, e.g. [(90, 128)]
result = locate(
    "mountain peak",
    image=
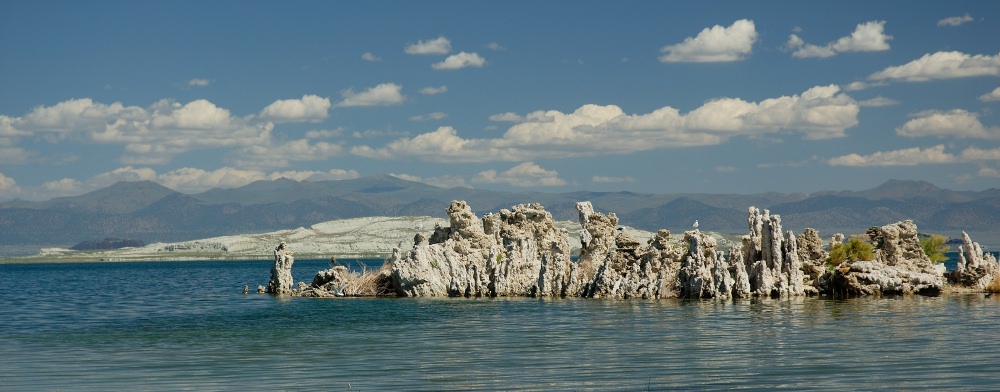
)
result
[(902, 189)]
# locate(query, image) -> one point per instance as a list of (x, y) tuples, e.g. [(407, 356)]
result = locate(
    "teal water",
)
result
[(188, 326)]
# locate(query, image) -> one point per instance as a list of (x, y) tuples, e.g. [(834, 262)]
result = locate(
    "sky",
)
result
[(550, 96)]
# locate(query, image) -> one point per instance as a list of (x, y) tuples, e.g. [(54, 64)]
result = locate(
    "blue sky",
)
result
[(661, 97)]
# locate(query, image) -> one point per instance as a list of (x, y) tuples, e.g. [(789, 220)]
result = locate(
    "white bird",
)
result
[(695, 225)]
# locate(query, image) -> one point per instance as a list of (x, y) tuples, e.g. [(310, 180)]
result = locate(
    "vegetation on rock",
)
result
[(853, 250), (935, 246)]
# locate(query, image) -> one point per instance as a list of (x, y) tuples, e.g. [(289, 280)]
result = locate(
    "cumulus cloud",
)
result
[(198, 82), (151, 135), (438, 181), (821, 112), (917, 156), (612, 180), (495, 46), (867, 37), (507, 117), (459, 61), (7, 185), (434, 90), (310, 108), (429, 117), (878, 101), (526, 174), (276, 155), (13, 155), (369, 56), (905, 157), (715, 44), (439, 45), (955, 20), (991, 96), (941, 65), (954, 123), (193, 180), (385, 94)]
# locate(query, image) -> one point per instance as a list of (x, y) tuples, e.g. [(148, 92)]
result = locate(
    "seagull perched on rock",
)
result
[(695, 225)]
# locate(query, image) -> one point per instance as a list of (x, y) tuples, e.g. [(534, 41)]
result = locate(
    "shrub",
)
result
[(935, 248), (853, 250), (994, 286)]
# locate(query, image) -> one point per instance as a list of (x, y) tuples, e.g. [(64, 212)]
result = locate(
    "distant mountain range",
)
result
[(150, 212)]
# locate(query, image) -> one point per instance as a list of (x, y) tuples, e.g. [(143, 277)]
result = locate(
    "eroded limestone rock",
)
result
[(769, 259), (975, 269), (900, 266), (281, 274), (518, 252), (812, 257), (613, 264)]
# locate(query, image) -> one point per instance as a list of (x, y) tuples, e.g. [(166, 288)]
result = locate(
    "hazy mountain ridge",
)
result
[(148, 211)]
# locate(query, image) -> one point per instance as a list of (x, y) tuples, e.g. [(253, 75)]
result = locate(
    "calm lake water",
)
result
[(188, 326)]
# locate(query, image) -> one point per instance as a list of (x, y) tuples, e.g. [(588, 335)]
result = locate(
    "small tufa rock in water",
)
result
[(975, 269), (281, 273)]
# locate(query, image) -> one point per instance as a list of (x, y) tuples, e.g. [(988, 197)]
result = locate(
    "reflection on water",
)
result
[(170, 326)]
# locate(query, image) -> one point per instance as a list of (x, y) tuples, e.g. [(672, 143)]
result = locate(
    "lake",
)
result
[(188, 326)]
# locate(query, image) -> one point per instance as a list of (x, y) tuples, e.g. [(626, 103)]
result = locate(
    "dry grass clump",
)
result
[(994, 286), (369, 283)]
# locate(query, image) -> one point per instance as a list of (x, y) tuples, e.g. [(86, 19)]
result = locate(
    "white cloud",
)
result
[(439, 45), (495, 46), (440, 181), (821, 112), (13, 155), (954, 123), (370, 133), (7, 185), (941, 65), (324, 133), (282, 154), (526, 174), (955, 20), (434, 90), (311, 175), (384, 94), (612, 180), (867, 37), (905, 157), (193, 180), (715, 44), (460, 60), (991, 96), (878, 102), (310, 108), (369, 56), (507, 117), (988, 172), (429, 117), (198, 82), (917, 156), (150, 135)]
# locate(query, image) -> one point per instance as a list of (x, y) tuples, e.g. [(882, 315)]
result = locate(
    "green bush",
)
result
[(935, 248), (853, 250)]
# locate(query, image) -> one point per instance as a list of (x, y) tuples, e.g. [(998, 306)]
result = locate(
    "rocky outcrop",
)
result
[(613, 264), (518, 252), (769, 259), (813, 257), (281, 274), (704, 271), (900, 266), (521, 252), (975, 269)]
